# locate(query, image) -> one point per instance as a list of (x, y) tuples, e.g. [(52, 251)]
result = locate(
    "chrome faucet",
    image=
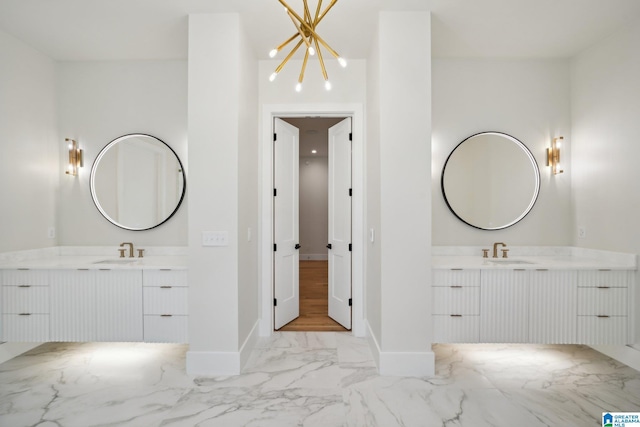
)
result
[(131, 248), (495, 248)]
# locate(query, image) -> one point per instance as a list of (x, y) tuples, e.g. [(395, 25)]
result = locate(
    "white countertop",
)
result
[(98, 262), (554, 262)]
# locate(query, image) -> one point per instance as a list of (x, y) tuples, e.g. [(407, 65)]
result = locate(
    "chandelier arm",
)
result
[(315, 19), (287, 41), (307, 13), (306, 40), (304, 66), (333, 2), (288, 57), (322, 67), (333, 52)]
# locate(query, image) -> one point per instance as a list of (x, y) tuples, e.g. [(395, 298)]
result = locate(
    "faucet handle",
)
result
[(140, 253), (485, 253), (504, 253), (121, 252)]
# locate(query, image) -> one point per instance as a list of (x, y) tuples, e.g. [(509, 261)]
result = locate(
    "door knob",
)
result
[(329, 246), (297, 246)]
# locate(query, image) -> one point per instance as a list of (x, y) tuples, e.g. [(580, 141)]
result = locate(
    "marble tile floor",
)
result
[(313, 379)]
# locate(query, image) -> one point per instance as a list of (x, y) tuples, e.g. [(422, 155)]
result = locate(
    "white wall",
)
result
[(605, 90), (98, 102), (527, 99), (31, 171), (314, 207)]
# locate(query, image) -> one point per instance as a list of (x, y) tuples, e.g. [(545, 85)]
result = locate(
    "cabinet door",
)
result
[(73, 305), (503, 306), (552, 306), (118, 305)]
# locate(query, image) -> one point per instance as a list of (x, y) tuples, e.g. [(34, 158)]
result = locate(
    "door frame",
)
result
[(265, 242)]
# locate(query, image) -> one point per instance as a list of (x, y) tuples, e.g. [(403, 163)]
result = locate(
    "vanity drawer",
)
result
[(456, 277), (173, 278), (602, 301), (456, 329), (25, 328), (166, 300), (456, 300), (25, 299), (169, 329), (602, 330), (611, 278), (18, 277)]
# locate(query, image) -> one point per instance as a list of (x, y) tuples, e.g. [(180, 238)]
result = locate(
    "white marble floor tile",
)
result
[(299, 340)]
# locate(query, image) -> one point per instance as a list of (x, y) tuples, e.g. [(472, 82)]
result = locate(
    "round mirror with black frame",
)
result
[(490, 181), (137, 182)]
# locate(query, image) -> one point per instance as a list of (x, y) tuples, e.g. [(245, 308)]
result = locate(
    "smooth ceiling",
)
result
[(81, 30)]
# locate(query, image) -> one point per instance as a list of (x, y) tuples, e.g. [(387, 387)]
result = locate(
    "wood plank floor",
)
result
[(314, 286)]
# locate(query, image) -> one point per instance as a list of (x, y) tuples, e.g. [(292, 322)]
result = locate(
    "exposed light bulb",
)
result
[(342, 62), (273, 53), (273, 76), (327, 85), (314, 151), (311, 51), (298, 87)]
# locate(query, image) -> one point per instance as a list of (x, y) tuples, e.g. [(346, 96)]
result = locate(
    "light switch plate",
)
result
[(215, 238)]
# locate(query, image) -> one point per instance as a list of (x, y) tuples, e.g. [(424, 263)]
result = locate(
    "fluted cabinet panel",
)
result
[(166, 300), (602, 301), (603, 330), (456, 300), (119, 305), (73, 305), (611, 278), (165, 277), (25, 276), (25, 328), (552, 307), (25, 299), (504, 306)]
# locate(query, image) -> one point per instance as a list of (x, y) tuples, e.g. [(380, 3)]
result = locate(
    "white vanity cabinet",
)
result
[(504, 308), (119, 305), (552, 306), (165, 306), (604, 306), (456, 305), (25, 305)]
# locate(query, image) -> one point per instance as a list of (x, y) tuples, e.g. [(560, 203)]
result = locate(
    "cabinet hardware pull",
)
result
[(25, 314), (604, 269), (24, 286), (542, 269), (166, 315), (165, 287), (165, 269), (456, 315), (602, 316), (23, 269), (456, 286), (104, 269), (83, 269), (603, 287), (518, 269), (457, 269)]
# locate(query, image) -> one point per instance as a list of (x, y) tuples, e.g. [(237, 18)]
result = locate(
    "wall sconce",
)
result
[(553, 155), (75, 157)]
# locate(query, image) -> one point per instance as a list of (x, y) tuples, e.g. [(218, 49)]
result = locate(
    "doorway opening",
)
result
[(312, 223), (313, 190)]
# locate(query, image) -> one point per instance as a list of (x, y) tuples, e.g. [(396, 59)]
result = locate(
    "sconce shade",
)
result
[(553, 155), (75, 157)]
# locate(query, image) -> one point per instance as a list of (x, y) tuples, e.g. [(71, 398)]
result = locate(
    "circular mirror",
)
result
[(490, 181), (137, 182)]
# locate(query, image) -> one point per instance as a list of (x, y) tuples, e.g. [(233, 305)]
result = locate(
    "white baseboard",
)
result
[(314, 257), (9, 350), (401, 364), (622, 353)]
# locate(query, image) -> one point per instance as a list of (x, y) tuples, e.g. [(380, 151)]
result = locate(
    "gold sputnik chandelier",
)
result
[(306, 31)]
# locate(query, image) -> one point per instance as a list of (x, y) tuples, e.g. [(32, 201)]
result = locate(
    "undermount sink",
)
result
[(510, 261), (116, 261)]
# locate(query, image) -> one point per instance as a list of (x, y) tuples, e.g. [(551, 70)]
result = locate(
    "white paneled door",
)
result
[(340, 223), (285, 228)]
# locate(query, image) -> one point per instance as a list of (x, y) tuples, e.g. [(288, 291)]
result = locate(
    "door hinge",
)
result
[(275, 302), (350, 136), (349, 247), (275, 137), (350, 302), (329, 246), (275, 192), (275, 247), (350, 192)]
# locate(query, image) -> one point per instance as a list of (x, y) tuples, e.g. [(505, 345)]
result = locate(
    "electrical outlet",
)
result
[(51, 233), (582, 232), (215, 238)]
